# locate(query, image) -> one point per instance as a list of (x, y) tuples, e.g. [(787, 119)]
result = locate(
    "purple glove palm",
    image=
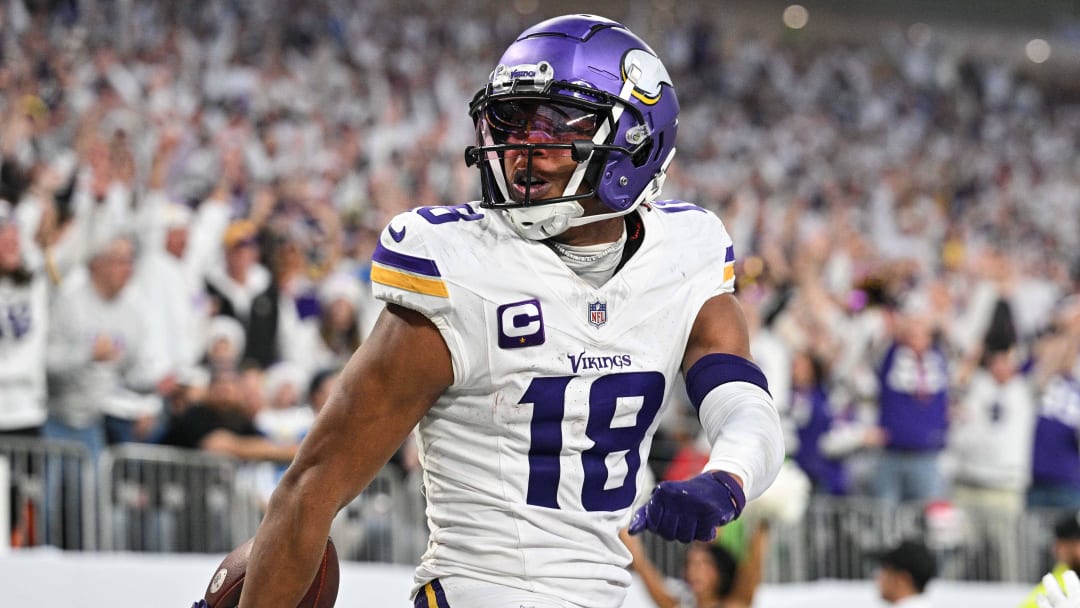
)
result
[(692, 509), (199, 604)]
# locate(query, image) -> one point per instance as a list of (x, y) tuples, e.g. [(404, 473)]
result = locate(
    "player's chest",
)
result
[(575, 330)]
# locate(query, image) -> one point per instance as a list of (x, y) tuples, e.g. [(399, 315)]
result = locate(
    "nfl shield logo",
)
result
[(597, 313)]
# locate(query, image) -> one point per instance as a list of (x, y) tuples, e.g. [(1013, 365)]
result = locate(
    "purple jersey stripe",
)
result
[(440, 595), (729, 255), (715, 369), (676, 206), (404, 262)]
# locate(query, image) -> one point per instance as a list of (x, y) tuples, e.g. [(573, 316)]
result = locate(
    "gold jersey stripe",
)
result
[(729, 272), (408, 282), (429, 591)]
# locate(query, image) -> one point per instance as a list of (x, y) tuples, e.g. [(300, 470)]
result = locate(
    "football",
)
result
[(224, 588)]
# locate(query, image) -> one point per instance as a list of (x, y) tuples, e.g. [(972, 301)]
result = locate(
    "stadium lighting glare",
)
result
[(796, 16), (1037, 50)]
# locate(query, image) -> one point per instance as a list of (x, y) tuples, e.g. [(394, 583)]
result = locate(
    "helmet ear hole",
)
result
[(596, 168), (642, 155), (659, 148)]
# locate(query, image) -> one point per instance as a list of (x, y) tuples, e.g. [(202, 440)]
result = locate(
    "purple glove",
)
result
[(199, 604), (692, 509)]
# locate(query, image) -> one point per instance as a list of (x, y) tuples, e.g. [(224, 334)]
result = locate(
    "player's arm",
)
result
[(747, 445), (385, 389), (731, 395)]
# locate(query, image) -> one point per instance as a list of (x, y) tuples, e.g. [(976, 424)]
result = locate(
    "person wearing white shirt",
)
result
[(101, 358), (23, 324), (991, 441), (180, 303)]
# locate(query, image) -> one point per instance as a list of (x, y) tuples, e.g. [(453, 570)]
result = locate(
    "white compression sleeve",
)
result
[(744, 431)]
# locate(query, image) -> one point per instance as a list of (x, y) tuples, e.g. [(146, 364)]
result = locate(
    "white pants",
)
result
[(460, 592)]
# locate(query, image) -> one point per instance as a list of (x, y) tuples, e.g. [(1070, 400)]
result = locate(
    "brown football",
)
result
[(224, 588)]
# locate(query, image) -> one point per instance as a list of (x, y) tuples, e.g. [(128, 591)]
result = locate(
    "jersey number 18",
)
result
[(548, 396)]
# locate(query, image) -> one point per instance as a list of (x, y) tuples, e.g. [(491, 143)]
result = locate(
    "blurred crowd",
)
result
[(190, 192)]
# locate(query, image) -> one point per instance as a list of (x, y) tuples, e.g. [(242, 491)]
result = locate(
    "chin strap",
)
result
[(545, 221)]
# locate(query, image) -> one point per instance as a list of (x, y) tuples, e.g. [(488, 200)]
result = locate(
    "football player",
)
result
[(533, 338)]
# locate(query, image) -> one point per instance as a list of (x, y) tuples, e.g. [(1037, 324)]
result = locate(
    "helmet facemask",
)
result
[(525, 114)]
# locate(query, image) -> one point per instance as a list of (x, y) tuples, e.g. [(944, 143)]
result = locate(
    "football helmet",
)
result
[(580, 86)]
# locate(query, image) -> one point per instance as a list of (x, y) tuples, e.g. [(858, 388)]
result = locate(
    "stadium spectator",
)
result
[(24, 319), (991, 437), (913, 399), (714, 576), (225, 342), (905, 571), (322, 382), (253, 388), (825, 437), (243, 289), (1055, 478), (104, 366), (335, 332), (284, 419), (222, 424), (180, 305), (23, 329), (1004, 310)]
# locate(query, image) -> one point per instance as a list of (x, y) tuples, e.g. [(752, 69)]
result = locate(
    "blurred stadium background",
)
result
[(191, 192)]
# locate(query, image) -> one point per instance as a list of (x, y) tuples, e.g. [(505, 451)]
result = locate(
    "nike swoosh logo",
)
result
[(397, 235)]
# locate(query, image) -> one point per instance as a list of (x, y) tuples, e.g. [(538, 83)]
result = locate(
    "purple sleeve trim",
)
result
[(408, 263), (715, 369)]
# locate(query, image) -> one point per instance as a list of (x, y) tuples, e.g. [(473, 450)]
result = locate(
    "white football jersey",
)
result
[(533, 457)]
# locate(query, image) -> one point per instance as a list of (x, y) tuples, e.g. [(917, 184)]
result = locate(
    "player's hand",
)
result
[(1055, 596), (199, 604), (692, 509)]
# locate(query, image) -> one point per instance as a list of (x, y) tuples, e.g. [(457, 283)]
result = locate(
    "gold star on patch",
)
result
[(522, 339)]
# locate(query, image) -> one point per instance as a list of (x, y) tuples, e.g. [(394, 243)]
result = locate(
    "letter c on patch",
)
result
[(521, 324)]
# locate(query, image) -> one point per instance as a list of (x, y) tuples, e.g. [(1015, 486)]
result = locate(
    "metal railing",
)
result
[(159, 499), (52, 492), (164, 499), (838, 537), (172, 500)]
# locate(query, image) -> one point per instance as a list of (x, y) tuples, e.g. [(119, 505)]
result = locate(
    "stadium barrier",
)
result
[(51, 493), (837, 539), (159, 499), (163, 499)]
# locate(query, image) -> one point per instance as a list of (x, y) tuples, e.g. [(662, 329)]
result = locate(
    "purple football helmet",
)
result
[(598, 94)]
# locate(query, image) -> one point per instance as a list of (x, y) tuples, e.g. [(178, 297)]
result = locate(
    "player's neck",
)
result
[(596, 233)]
